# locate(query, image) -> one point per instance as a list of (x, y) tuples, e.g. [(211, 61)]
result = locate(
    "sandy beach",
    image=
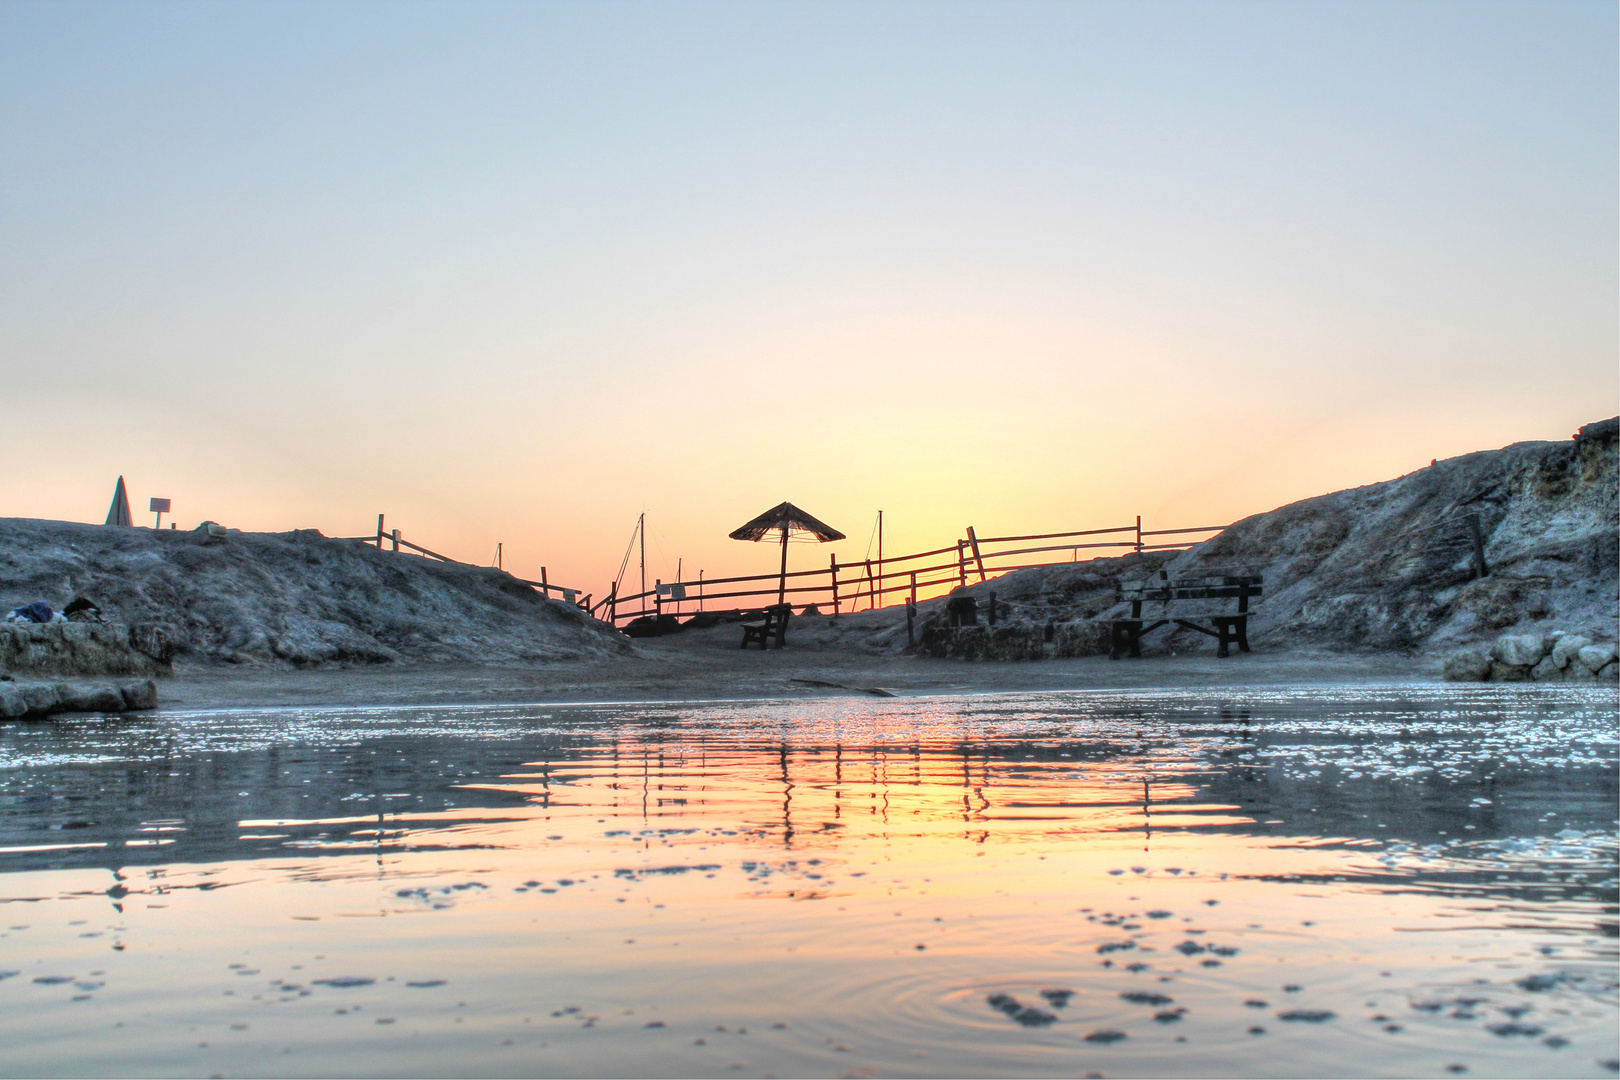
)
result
[(708, 665)]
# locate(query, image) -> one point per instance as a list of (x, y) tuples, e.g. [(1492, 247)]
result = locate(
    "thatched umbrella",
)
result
[(786, 519)]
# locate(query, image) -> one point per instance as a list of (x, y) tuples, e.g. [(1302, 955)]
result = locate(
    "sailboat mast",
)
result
[(641, 531)]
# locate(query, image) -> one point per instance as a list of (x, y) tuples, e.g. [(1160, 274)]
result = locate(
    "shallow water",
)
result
[(1248, 883)]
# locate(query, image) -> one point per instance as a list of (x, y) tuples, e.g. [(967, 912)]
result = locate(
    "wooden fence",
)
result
[(383, 540), (871, 582)]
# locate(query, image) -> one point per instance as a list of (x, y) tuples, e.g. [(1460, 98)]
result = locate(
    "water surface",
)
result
[(1215, 883)]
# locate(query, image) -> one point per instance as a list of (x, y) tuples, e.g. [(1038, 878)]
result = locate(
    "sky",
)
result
[(517, 273)]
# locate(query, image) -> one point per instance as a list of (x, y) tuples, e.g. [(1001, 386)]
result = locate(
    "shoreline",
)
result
[(671, 673)]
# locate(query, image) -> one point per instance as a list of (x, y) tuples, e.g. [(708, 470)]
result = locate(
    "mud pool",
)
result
[(1390, 882)]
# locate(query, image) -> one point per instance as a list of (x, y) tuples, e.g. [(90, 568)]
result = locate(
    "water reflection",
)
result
[(1014, 880)]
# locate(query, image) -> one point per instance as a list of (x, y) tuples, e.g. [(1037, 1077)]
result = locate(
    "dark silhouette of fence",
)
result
[(393, 541), (872, 581)]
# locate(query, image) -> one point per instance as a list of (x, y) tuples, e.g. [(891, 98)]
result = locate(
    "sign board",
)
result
[(674, 592), (159, 506), (569, 595)]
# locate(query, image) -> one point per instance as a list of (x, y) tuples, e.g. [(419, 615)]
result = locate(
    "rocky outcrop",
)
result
[(296, 599), (32, 701), (74, 648), (1393, 566), (1555, 656)]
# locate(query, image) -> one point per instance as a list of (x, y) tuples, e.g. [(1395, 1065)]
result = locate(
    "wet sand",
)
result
[(708, 665)]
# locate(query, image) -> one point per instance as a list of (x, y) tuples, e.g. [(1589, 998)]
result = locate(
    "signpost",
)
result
[(159, 507)]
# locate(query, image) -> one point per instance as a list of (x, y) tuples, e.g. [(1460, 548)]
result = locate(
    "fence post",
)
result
[(974, 541), (832, 573), (1138, 532), (544, 590), (379, 532), (961, 563), (396, 539), (658, 599), (613, 605)]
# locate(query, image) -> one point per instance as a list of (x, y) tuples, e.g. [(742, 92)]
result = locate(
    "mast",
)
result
[(641, 531)]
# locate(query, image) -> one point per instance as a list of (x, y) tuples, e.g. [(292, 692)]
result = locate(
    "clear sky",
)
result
[(518, 272)]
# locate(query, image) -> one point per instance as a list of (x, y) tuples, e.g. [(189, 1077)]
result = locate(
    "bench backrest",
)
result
[(1162, 588)]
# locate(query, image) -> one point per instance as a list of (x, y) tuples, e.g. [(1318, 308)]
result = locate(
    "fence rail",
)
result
[(871, 582), (847, 586), (574, 597)]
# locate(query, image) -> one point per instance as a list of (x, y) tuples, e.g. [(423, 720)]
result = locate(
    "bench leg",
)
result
[(1242, 635)]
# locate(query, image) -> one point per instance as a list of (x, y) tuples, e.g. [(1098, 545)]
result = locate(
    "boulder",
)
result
[(1519, 650), (1610, 672), (89, 697), (41, 698), (12, 702), (1501, 672), (1467, 665), (154, 640), (1546, 670), (1564, 650), (1596, 657), (139, 693), (1579, 672)]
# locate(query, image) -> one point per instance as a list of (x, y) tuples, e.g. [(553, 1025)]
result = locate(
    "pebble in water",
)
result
[(1057, 998), (1106, 1036)]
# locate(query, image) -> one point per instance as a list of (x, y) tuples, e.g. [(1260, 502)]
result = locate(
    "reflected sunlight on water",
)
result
[(1261, 883)]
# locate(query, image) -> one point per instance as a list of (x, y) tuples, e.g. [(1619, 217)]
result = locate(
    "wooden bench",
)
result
[(776, 620), (1226, 628)]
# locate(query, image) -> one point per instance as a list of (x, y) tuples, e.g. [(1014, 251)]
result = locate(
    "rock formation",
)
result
[(1392, 566), (295, 598)]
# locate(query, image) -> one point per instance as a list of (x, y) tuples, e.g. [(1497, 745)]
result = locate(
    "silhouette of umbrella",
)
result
[(787, 520)]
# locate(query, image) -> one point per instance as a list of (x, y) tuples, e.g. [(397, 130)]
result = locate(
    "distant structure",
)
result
[(118, 513), (786, 519)]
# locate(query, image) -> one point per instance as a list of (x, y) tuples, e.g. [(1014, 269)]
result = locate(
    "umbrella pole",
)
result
[(781, 590)]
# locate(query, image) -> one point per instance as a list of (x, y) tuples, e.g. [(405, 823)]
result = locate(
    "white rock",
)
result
[(1563, 652), (1467, 665), (1595, 657), (1518, 650), (1546, 671)]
